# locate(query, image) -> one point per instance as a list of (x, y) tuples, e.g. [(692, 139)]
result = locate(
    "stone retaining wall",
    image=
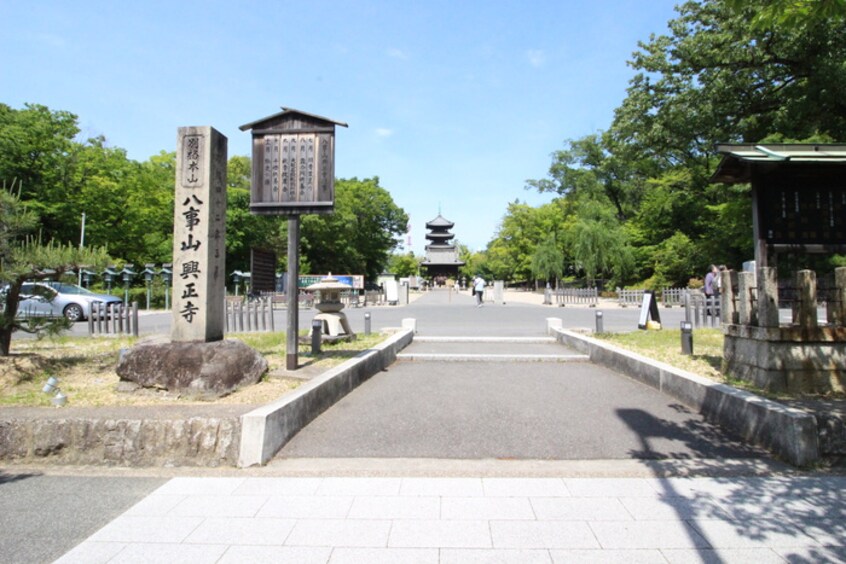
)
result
[(136, 437)]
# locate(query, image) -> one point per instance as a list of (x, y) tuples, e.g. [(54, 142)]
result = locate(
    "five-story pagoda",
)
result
[(442, 262)]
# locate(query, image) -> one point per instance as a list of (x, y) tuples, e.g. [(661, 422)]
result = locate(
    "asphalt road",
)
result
[(42, 517), (451, 313)]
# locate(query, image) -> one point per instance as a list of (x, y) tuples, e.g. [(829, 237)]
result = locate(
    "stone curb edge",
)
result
[(789, 433), (266, 429)]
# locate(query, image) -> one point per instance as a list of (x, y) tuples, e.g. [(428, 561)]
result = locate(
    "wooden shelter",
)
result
[(798, 195)]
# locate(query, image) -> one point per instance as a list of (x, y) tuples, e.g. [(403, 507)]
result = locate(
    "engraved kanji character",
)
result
[(192, 218), (190, 268), (189, 312), (190, 244), (190, 291)]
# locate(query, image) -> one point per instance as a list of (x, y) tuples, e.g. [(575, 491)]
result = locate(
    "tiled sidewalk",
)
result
[(431, 520)]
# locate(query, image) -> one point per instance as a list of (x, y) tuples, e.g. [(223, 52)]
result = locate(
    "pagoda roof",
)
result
[(440, 221)]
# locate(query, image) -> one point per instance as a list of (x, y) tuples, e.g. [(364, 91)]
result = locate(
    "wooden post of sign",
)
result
[(292, 344)]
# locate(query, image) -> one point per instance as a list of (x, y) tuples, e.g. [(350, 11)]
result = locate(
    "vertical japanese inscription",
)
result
[(198, 235), (289, 167), (192, 151), (271, 167), (324, 160)]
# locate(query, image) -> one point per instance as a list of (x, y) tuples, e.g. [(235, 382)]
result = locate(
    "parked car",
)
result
[(52, 299)]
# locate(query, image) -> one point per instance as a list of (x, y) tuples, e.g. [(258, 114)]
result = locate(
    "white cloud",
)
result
[(384, 132), (395, 53), (536, 57)]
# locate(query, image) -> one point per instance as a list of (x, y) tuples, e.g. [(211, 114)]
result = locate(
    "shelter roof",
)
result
[(739, 159), (290, 113)]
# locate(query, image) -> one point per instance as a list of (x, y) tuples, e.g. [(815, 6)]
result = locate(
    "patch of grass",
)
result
[(665, 346), (86, 367)]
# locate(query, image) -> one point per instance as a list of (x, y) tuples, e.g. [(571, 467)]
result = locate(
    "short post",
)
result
[(805, 309), (599, 324), (316, 336), (367, 323), (686, 338), (836, 310)]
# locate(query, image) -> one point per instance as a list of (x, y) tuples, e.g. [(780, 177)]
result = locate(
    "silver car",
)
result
[(52, 299)]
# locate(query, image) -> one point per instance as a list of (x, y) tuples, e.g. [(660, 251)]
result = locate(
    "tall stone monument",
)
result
[(197, 362), (199, 233)]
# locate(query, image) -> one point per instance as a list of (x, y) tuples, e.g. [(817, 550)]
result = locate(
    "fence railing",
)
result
[(701, 310), (629, 297), (565, 296), (115, 319), (245, 316)]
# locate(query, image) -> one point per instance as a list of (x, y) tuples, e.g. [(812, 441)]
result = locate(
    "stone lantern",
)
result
[(333, 319)]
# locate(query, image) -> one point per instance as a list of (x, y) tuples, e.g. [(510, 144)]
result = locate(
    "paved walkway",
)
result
[(446, 520)]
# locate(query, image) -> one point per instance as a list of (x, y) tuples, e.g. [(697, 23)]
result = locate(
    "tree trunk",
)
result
[(5, 340)]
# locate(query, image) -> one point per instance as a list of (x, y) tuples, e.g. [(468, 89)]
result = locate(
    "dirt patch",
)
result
[(85, 368)]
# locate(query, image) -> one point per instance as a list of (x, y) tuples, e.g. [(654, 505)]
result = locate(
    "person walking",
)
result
[(479, 289), (711, 289)]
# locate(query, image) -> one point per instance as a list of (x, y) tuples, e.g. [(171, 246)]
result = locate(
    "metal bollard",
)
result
[(367, 323), (599, 323), (316, 335), (687, 338)]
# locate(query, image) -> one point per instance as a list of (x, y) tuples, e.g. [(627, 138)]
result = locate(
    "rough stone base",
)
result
[(172, 436), (195, 369), (787, 359)]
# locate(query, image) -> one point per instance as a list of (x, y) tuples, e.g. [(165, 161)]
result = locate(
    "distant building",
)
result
[(441, 262)]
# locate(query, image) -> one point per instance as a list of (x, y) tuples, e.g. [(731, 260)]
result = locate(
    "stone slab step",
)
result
[(521, 340), (493, 357)]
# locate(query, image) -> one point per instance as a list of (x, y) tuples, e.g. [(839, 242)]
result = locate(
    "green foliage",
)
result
[(404, 265), (359, 236), (548, 260), (599, 243), (26, 257), (674, 260)]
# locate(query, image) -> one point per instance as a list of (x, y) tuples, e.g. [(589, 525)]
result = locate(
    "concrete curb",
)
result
[(265, 430), (789, 433)]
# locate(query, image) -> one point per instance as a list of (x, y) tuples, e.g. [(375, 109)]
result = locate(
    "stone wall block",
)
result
[(767, 297), (805, 307)]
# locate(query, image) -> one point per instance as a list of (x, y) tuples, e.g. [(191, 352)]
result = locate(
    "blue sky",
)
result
[(452, 104)]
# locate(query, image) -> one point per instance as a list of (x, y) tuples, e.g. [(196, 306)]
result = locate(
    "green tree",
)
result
[(548, 260), (404, 265), (676, 260), (715, 79), (361, 233), (24, 258), (793, 13), (599, 244)]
